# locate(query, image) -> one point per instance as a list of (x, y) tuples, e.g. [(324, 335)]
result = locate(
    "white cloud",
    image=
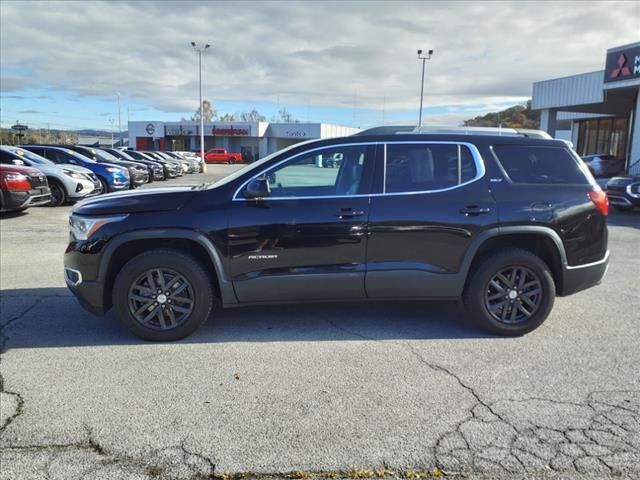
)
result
[(317, 53)]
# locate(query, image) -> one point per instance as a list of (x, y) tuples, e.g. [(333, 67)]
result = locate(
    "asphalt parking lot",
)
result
[(347, 390)]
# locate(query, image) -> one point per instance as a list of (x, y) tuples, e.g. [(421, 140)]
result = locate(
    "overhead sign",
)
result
[(181, 130), (19, 127), (622, 64), (231, 131)]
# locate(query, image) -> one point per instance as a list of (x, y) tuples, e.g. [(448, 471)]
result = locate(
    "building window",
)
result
[(606, 136)]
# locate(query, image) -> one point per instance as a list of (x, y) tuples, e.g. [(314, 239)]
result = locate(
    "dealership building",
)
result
[(253, 139), (598, 111)]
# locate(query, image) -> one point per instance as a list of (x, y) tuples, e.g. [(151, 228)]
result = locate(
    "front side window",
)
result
[(425, 167), (335, 171)]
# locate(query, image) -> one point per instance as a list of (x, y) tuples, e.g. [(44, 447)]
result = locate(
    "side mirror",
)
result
[(257, 188), (18, 162)]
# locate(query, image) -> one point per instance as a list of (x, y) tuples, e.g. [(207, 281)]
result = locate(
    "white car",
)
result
[(67, 182)]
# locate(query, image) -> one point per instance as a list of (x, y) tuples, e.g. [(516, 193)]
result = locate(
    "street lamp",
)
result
[(200, 51), (424, 58)]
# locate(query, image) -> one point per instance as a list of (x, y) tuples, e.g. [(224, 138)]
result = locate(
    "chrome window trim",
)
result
[(475, 153)]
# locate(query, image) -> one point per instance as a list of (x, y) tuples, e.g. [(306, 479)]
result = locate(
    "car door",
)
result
[(435, 201), (307, 240)]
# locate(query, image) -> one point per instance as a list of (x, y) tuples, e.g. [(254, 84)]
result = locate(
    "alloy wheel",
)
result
[(161, 299), (513, 295)]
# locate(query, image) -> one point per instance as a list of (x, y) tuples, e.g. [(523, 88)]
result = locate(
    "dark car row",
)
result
[(54, 174)]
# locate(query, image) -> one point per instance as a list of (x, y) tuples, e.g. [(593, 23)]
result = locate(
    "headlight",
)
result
[(123, 171), (72, 174), (633, 189), (81, 228)]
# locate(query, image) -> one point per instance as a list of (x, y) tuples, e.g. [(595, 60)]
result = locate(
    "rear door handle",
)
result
[(472, 210), (346, 213)]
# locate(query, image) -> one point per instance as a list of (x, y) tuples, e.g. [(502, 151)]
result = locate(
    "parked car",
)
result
[(166, 161), (112, 178), (624, 192), (138, 174), (604, 165), (408, 217), (196, 165), (66, 181), (220, 155), (170, 170), (187, 166), (156, 172), (22, 187)]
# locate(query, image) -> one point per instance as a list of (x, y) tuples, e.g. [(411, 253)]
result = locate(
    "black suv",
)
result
[(504, 223)]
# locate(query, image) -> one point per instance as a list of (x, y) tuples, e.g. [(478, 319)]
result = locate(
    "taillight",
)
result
[(601, 200), (17, 181)]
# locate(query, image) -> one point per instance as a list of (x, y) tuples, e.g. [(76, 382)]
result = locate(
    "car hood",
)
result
[(134, 201), (625, 180), (75, 168)]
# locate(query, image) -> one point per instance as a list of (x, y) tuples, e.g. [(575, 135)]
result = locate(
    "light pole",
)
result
[(424, 58), (112, 121), (119, 127), (200, 51)]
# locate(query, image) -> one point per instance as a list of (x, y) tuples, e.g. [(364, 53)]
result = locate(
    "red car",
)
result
[(22, 187), (220, 155)]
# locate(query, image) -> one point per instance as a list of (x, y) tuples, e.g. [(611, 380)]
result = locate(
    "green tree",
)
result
[(518, 116), (251, 116), (209, 112)]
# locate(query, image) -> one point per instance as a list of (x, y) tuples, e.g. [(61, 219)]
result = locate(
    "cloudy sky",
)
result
[(354, 63)]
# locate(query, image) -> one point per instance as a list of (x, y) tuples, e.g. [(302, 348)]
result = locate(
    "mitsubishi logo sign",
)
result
[(622, 67), (150, 128), (623, 64)]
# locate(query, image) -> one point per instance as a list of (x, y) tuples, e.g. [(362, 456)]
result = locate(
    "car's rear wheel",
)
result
[(162, 295), (231, 160), (58, 193), (510, 293)]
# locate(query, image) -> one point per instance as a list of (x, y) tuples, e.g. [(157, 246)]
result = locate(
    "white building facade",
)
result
[(600, 110), (253, 139)]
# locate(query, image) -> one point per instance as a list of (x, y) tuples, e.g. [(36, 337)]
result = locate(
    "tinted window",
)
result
[(534, 164), (330, 172), (6, 157), (424, 167)]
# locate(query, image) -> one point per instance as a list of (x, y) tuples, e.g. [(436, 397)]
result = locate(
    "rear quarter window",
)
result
[(540, 164)]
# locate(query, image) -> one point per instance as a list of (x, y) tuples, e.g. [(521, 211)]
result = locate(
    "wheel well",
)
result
[(127, 251), (540, 245)]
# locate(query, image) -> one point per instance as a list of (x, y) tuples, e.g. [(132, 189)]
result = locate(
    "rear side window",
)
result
[(424, 167), (538, 164)]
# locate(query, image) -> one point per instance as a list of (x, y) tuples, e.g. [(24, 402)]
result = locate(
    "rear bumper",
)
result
[(581, 277)]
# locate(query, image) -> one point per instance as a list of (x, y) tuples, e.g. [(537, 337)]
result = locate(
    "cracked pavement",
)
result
[(318, 388)]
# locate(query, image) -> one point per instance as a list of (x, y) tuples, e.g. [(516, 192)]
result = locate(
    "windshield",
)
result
[(125, 155), (34, 157), (106, 156), (77, 155), (256, 165)]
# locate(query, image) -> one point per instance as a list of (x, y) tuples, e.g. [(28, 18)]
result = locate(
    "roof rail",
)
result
[(468, 131), (386, 130)]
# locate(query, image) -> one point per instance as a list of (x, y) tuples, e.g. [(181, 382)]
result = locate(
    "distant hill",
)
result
[(518, 116)]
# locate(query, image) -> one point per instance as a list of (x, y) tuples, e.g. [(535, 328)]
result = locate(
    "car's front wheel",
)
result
[(58, 193), (510, 293), (162, 295)]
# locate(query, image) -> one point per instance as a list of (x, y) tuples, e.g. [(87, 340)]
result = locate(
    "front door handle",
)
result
[(473, 210), (346, 213)]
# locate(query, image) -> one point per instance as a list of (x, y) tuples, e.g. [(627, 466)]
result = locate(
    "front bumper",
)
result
[(21, 199), (581, 277), (83, 189)]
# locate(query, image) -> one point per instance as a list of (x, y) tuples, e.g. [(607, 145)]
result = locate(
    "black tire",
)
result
[(104, 185), (623, 208), (58, 193), (480, 290), (231, 161), (199, 290)]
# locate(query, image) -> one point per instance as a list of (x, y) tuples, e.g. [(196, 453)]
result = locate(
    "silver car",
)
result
[(67, 182)]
